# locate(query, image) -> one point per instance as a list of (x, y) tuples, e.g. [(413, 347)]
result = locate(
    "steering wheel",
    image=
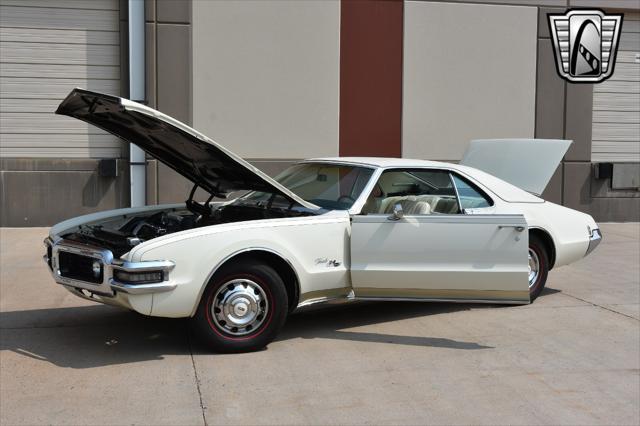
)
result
[(346, 197)]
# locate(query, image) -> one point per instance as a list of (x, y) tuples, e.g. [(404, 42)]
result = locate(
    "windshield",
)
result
[(330, 186)]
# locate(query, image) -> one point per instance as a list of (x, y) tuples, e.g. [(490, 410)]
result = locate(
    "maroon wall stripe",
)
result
[(371, 77)]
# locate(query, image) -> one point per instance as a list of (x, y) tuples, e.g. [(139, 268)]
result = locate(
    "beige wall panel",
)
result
[(173, 71), (469, 72), (266, 76)]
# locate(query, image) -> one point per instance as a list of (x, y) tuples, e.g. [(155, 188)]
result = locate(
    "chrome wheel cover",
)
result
[(534, 267), (239, 307)]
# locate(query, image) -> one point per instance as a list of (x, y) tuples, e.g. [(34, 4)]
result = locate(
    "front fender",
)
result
[(197, 254)]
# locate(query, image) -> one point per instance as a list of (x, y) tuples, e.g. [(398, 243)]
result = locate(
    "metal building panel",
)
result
[(46, 49), (616, 102)]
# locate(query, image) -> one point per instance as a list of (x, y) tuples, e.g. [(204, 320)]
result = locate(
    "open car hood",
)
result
[(525, 163), (187, 151)]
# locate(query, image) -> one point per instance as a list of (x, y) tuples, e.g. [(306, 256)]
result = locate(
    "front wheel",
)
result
[(242, 309), (538, 267)]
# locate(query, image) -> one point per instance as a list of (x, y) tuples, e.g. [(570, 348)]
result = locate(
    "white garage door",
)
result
[(46, 49), (616, 102)]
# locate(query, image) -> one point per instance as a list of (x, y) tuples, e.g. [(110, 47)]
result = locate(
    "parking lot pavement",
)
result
[(572, 357)]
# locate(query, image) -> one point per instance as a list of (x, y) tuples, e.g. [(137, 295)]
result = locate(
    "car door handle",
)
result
[(518, 228)]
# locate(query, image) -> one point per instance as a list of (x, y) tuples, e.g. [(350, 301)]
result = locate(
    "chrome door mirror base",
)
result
[(398, 213)]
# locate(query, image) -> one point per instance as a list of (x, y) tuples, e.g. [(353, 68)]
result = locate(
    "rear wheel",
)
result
[(538, 266), (242, 309)]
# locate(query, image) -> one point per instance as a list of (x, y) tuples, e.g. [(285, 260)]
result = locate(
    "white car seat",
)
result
[(411, 205), (446, 205)]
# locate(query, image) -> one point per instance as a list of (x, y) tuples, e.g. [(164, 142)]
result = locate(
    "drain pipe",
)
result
[(137, 158)]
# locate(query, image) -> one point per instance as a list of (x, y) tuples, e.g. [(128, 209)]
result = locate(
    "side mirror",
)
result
[(398, 213)]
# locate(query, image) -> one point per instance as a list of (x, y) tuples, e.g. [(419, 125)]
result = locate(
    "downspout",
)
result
[(137, 158)]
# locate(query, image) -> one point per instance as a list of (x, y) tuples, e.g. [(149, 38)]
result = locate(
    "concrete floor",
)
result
[(572, 357)]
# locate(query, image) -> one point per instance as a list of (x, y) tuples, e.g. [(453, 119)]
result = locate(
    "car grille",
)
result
[(78, 267)]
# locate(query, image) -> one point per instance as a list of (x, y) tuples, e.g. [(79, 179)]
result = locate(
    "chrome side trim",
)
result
[(328, 295), (142, 288), (322, 300), (232, 255), (497, 219), (438, 299), (351, 299), (594, 239), (418, 294), (152, 265)]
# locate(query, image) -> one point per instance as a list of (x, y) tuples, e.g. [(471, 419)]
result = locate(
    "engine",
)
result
[(120, 235)]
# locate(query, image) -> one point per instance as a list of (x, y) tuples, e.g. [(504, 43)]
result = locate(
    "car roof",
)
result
[(381, 161)]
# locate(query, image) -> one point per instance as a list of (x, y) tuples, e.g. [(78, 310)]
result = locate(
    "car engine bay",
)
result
[(120, 234)]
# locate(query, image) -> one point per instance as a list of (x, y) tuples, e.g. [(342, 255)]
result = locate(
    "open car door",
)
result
[(440, 258), (423, 254)]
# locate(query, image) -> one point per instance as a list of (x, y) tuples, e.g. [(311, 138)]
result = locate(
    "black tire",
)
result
[(538, 248), (211, 328)]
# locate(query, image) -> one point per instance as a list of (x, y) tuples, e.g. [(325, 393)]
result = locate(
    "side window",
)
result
[(471, 197), (418, 191)]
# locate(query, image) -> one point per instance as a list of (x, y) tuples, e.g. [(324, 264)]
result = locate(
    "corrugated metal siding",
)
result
[(616, 102), (46, 49)]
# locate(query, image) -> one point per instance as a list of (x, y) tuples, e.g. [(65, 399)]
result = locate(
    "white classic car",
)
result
[(326, 229)]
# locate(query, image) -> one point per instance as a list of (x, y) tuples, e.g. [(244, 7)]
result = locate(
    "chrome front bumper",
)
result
[(594, 240), (109, 285)]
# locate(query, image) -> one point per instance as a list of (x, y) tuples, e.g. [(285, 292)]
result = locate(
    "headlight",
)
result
[(146, 277), (96, 268)]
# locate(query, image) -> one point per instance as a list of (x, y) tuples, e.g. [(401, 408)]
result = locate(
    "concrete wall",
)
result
[(469, 72), (41, 192)]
